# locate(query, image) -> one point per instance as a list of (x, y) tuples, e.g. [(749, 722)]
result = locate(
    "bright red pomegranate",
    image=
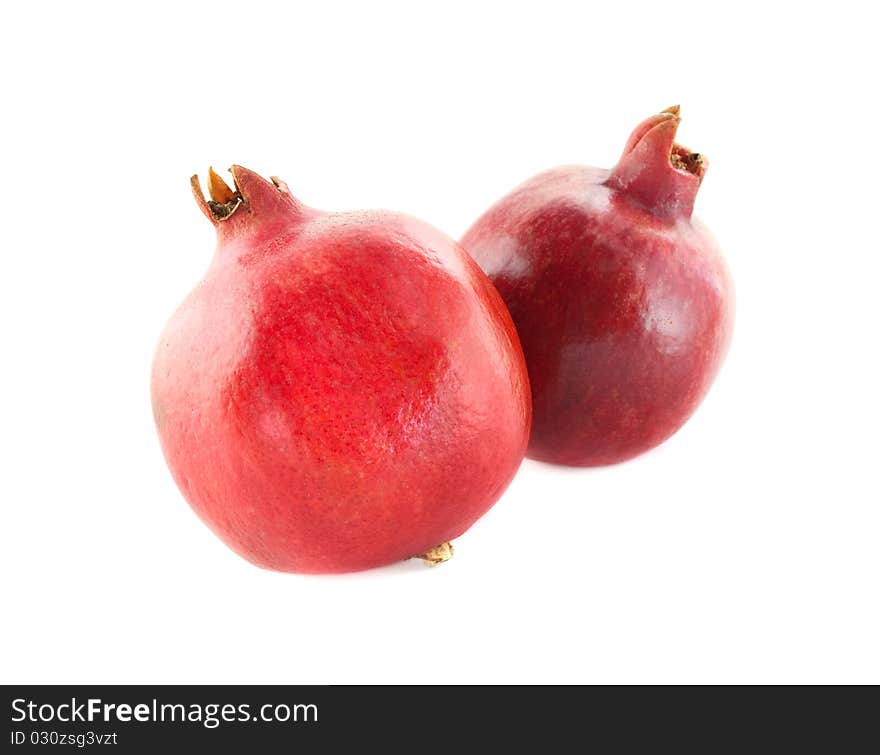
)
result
[(341, 391), (622, 301)]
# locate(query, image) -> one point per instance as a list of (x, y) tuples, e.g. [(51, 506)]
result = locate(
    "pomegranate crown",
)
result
[(655, 171), (252, 195)]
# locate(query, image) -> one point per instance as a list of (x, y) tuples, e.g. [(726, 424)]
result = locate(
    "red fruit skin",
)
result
[(623, 303), (341, 391)]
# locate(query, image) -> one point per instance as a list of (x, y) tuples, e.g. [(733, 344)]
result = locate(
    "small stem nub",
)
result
[(438, 554)]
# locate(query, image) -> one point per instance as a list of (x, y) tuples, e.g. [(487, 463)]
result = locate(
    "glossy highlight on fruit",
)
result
[(623, 303), (341, 391)]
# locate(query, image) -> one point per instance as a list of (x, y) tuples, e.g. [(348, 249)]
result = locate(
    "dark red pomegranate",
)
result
[(622, 301), (341, 391)]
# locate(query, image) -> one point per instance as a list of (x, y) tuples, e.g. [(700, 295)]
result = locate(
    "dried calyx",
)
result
[(682, 158), (657, 172), (250, 191), (224, 201)]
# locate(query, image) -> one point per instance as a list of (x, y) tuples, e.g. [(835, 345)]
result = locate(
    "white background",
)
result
[(743, 550)]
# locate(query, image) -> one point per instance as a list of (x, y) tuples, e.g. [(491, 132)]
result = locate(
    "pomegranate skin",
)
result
[(341, 391), (623, 303)]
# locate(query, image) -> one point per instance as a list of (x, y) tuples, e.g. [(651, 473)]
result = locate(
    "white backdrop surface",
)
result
[(743, 550)]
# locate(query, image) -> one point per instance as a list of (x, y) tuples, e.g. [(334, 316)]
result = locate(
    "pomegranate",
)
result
[(622, 301), (341, 391)]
